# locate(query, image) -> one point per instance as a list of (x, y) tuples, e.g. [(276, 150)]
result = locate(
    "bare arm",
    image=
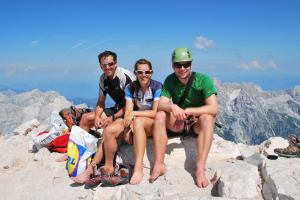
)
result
[(166, 105), (210, 107), (128, 112), (99, 110), (147, 113), (110, 119)]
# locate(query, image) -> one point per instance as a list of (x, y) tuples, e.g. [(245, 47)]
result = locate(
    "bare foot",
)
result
[(84, 176), (201, 179), (136, 177), (158, 170), (62, 159)]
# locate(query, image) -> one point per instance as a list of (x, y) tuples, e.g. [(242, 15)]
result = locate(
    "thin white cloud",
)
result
[(27, 69), (94, 45), (11, 70), (35, 43), (77, 45), (258, 65), (204, 43)]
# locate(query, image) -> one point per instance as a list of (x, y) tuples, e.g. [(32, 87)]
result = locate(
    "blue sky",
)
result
[(53, 45)]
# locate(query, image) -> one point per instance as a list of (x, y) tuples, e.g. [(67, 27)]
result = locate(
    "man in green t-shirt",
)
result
[(200, 102)]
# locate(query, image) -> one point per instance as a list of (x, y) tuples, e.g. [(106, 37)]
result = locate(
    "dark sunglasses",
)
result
[(140, 72), (185, 65), (107, 65)]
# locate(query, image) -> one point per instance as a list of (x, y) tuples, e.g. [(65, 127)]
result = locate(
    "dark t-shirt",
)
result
[(115, 88)]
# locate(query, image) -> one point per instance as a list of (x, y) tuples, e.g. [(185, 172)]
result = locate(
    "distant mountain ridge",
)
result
[(17, 108), (248, 114), (251, 115)]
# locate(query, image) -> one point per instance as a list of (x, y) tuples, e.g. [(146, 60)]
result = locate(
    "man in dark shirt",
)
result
[(112, 82)]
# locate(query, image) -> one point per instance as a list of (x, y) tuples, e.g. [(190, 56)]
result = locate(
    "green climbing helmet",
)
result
[(181, 55)]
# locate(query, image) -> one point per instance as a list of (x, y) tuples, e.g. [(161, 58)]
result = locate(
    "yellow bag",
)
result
[(81, 147)]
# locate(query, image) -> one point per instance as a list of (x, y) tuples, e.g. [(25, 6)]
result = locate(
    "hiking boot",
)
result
[(97, 176), (115, 179), (120, 177), (93, 182), (292, 151)]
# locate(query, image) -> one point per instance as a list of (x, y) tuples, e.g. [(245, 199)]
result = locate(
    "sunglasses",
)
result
[(185, 65), (140, 72), (107, 65)]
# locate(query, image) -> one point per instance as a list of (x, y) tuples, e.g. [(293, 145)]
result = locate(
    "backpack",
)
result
[(60, 143), (72, 115)]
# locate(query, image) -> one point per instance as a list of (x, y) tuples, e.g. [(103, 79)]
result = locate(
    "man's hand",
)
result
[(107, 121), (178, 113), (128, 119), (98, 122)]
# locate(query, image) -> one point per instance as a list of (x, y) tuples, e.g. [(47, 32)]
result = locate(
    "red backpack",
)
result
[(60, 143)]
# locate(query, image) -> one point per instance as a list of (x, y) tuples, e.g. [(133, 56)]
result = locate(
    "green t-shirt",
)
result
[(202, 87)]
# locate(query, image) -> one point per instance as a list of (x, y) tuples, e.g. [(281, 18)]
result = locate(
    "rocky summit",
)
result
[(236, 170), (17, 108)]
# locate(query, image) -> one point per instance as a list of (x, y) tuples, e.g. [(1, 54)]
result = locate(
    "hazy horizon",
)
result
[(53, 45)]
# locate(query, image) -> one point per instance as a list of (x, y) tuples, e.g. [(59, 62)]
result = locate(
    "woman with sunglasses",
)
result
[(142, 98)]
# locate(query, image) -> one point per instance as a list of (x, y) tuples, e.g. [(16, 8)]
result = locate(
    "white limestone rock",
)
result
[(181, 153), (26, 127), (247, 150), (281, 178), (256, 160), (17, 109), (238, 180), (234, 179), (222, 150)]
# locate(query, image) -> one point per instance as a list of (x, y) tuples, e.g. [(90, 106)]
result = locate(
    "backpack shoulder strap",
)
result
[(186, 91)]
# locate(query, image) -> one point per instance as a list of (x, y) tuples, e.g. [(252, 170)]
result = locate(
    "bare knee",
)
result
[(87, 119), (138, 122), (109, 132), (160, 117), (113, 130), (206, 122)]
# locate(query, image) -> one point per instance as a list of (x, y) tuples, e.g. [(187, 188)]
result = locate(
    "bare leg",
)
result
[(87, 121), (110, 145), (141, 128), (205, 129), (84, 176), (63, 158), (160, 140)]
